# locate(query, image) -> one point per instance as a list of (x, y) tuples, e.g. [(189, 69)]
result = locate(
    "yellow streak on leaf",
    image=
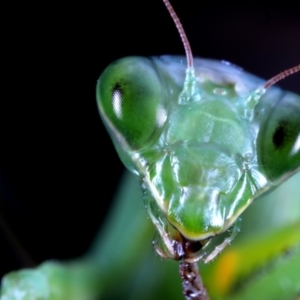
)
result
[(225, 270)]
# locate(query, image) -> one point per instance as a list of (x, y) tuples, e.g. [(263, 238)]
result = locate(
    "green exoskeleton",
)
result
[(202, 159), (204, 143), (203, 150)]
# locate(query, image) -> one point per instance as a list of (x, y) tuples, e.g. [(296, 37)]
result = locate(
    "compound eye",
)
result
[(279, 140), (131, 100)]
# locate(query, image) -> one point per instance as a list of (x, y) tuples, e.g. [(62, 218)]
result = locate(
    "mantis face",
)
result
[(203, 152)]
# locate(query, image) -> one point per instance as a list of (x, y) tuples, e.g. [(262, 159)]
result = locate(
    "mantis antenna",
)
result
[(281, 76), (184, 39), (189, 54)]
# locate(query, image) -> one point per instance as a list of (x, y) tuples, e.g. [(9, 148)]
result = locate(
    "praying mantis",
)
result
[(264, 76)]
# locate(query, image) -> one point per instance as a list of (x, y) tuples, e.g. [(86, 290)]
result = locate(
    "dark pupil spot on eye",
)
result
[(117, 90), (279, 135)]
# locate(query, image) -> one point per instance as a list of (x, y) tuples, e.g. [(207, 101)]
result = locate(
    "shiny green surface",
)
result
[(213, 148)]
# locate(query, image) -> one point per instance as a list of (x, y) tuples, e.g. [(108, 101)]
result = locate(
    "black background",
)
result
[(54, 186)]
